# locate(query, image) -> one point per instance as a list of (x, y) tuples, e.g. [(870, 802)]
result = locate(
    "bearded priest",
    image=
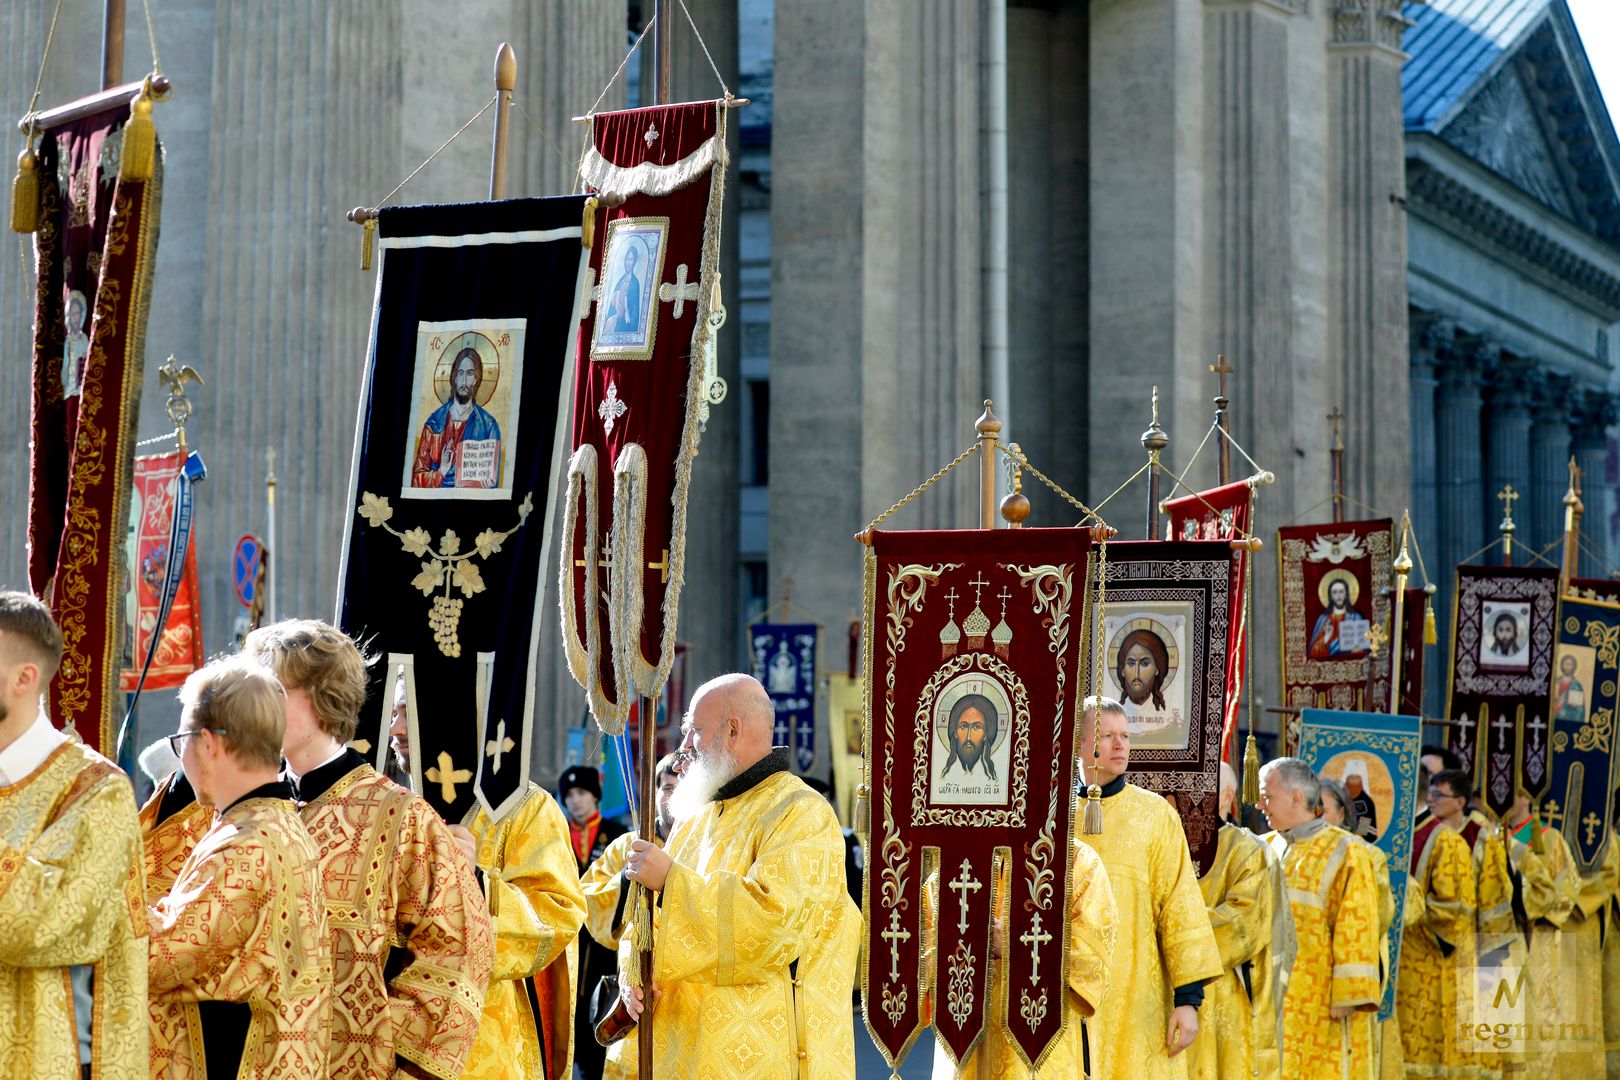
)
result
[(756, 938), (1165, 950)]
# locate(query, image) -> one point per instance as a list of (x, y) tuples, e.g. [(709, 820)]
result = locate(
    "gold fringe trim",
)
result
[(1251, 770), (584, 653), (368, 243), (25, 192), (587, 224), (626, 595), (140, 139), (1431, 636), (641, 932)]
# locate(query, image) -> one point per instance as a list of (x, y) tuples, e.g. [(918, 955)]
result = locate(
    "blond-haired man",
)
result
[(412, 944), (240, 957), (72, 962)]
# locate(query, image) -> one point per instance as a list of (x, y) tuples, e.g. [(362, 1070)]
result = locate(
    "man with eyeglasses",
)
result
[(1438, 945), (240, 960), (72, 962)]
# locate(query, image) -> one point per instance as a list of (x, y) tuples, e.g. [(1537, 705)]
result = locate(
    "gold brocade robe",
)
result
[(395, 880), (757, 885), (1093, 925), (1270, 980), (1164, 938), (1390, 1062), (606, 922), (1435, 947), (244, 923), (1611, 963), (1334, 893), (71, 894), (536, 906), (1546, 890), (1582, 1049), (168, 837), (1237, 890), (1493, 889)]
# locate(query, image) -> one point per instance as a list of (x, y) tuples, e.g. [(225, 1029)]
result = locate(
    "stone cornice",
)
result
[(1369, 22), (1469, 211)]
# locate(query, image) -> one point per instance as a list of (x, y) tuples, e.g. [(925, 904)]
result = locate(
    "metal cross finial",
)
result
[(1334, 419), (1508, 497), (1221, 369)]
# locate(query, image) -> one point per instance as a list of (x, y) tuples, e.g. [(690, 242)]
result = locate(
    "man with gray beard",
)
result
[(756, 938)]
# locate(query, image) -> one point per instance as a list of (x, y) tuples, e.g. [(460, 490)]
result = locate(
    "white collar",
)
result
[(294, 777), (32, 747)]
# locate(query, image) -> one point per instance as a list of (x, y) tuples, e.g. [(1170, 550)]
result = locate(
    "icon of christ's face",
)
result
[(969, 736), (1339, 596), (466, 379), (1140, 673), (1507, 636)]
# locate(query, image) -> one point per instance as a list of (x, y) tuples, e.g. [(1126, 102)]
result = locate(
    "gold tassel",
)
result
[(368, 240), (1093, 824), (1535, 834), (641, 931), (1251, 771), (587, 227), (140, 139), (863, 814), (25, 192), (1431, 636)]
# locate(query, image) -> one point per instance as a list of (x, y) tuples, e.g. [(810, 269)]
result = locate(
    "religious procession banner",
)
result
[(1334, 580), (179, 650), (846, 728), (461, 419), (1223, 513), (1414, 631), (1585, 689), (1607, 589), (1166, 623), (785, 664), (976, 654), (1504, 623), (100, 181), (644, 378), (1375, 756)]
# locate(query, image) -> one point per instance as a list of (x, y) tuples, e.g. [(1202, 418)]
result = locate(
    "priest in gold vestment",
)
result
[(1243, 908), (1334, 894), (1583, 1052), (412, 945), (1611, 975), (1165, 950), (72, 917), (1543, 872), (1438, 944), (240, 966), (756, 938), (536, 908)]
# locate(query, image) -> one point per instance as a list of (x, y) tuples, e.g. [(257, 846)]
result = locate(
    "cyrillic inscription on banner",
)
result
[(1503, 631), (785, 664), (1222, 513), (1586, 697), (461, 419), (94, 250), (1375, 756), (151, 513), (976, 645), (1333, 581), (644, 376), (1166, 621)]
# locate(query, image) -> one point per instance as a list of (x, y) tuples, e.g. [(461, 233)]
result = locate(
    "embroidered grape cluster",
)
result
[(444, 619)]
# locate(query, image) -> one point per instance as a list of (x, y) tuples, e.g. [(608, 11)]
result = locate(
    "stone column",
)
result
[(1507, 440), (1549, 453), (1459, 468), (1431, 342), (1367, 241), (1590, 437)]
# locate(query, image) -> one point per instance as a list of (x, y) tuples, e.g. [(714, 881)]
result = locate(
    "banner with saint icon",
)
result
[(1586, 700), (785, 664), (1166, 622), (100, 182), (1334, 581), (645, 375), (976, 648), (179, 650), (1375, 756), (1504, 626), (461, 419)]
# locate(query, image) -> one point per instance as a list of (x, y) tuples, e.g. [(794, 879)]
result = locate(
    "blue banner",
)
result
[(1586, 680), (785, 663), (1376, 757)]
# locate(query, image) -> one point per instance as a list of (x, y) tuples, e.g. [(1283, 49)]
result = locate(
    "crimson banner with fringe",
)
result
[(1334, 580), (976, 649), (1504, 622), (1167, 618), (1414, 619), (100, 180), (447, 545), (644, 378), (1223, 513), (1586, 697)]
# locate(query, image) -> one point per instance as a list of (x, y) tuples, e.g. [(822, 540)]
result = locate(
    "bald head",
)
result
[(1229, 790), (733, 712)]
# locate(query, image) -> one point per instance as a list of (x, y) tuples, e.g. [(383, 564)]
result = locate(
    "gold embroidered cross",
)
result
[(962, 885), (499, 745), (680, 291), (894, 936), (1591, 821), (662, 566), (1034, 937), (447, 776)]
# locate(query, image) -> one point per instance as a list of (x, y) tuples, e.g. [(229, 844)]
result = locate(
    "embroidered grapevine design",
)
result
[(448, 568)]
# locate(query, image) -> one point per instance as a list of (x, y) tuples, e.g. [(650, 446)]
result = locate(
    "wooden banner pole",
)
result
[(989, 429), (112, 45), (505, 83), (1335, 418), (1573, 510)]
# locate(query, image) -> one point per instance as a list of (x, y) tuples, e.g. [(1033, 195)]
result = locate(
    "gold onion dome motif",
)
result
[(977, 624)]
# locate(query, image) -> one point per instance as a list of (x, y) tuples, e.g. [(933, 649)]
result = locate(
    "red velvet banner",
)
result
[(976, 653), (1166, 625), (180, 649), (1412, 617), (94, 252), (642, 386), (1222, 513), (1334, 579)]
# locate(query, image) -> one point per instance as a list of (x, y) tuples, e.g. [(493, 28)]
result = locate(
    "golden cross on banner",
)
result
[(662, 566), (1376, 637), (894, 936), (1591, 821), (1034, 937), (499, 745), (1554, 813), (963, 884), (447, 776)]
